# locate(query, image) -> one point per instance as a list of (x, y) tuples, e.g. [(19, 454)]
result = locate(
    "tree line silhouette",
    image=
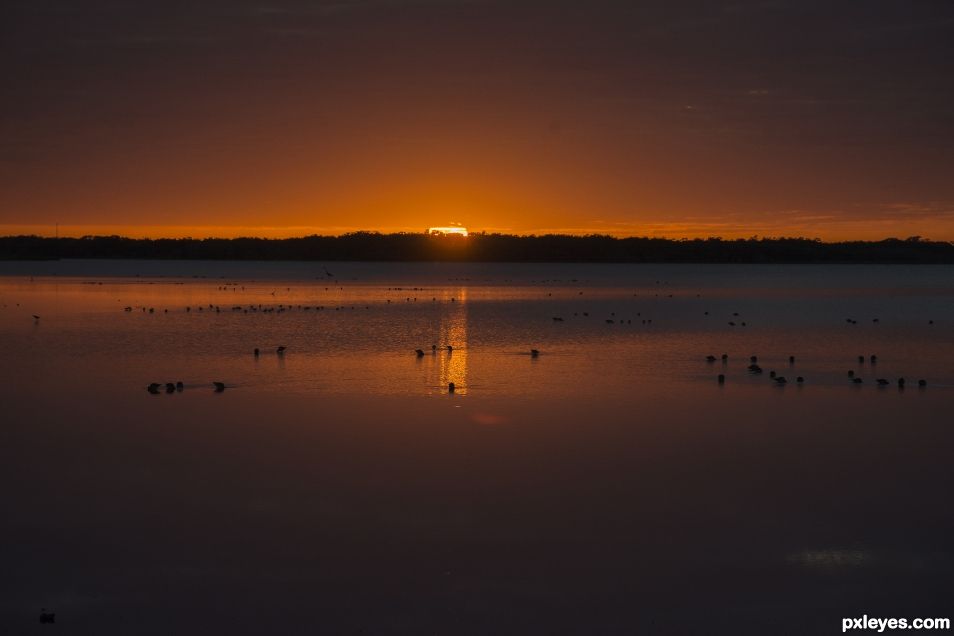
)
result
[(481, 247)]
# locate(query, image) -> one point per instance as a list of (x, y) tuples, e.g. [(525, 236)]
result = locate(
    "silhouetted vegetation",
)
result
[(369, 246)]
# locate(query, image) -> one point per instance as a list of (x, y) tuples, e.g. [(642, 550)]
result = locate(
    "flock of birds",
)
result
[(781, 380), (753, 368)]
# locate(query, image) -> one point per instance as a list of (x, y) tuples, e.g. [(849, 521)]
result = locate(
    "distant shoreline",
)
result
[(483, 248)]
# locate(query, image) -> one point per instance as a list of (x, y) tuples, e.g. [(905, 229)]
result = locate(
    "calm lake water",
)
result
[(609, 485)]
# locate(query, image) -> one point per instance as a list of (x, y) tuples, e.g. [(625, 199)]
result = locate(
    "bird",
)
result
[(281, 350), (179, 385), (170, 387), (874, 358), (557, 319), (922, 383), (451, 387), (900, 383), (47, 617), (534, 353), (800, 380), (450, 348), (154, 388), (857, 380), (883, 382), (754, 368), (36, 318), (721, 378), (725, 357), (791, 359), (781, 380), (851, 373), (710, 358), (861, 359), (255, 352), (419, 352), (219, 386), (753, 359), (771, 374)]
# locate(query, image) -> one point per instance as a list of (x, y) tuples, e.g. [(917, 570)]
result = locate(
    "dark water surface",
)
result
[(608, 486)]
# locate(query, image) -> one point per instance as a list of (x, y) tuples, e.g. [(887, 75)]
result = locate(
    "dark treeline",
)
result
[(369, 246)]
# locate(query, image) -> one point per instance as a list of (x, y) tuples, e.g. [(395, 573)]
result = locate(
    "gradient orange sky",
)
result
[(282, 118)]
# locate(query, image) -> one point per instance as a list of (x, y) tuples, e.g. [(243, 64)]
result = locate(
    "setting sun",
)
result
[(446, 231)]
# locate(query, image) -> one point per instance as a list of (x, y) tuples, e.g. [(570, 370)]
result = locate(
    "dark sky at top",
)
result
[(822, 118)]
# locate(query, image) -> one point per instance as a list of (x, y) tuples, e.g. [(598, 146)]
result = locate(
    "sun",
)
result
[(453, 230)]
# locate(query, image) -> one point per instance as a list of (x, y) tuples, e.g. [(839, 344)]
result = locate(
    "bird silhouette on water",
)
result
[(534, 353), (154, 388), (419, 352), (281, 350), (219, 386)]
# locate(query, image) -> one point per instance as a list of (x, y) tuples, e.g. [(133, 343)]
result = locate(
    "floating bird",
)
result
[(154, 388), (721, 378), (883, 382), (710, 358), (754, 368), (170, 387), (861, 359), (450, 387), (857, 380), (47, 617), (874, 359), (219, 386), (534, 353), (753, 359), (419, 352), (791, 359), (900, 383), (255, 352), (281, 350), (433, 348), (725, 357), (780, 380), (922, 383), (557, 319), (179, 386), (851, 373), (36, 318), (771, 374), (450, 348), (800, 380)]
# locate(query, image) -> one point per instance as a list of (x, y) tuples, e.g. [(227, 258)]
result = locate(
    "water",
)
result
[(609, 485)]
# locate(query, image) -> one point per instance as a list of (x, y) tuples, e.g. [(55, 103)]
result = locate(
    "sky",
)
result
[(828, 119)]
